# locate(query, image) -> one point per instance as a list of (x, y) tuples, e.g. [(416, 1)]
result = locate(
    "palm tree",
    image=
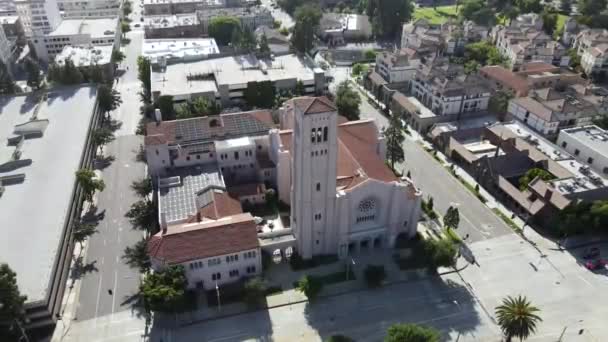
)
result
[(517, 317)]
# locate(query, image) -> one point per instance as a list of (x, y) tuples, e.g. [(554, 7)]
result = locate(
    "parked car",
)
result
[(596, 264), (137, 25), (592, 253)]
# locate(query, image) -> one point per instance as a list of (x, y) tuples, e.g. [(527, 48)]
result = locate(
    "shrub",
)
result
[(310, 286), (441, 252), (339, 338), (255, 291), (374, 275), (411, 333)]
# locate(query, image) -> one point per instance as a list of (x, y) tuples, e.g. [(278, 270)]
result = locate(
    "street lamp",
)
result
[(217, 291), (348, 267)]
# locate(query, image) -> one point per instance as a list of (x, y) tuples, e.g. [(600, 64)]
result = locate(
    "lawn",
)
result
[(435, 16)]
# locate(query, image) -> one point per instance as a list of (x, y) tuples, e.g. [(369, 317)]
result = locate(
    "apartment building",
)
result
[(38, 16), (549, 110), (250, 17), (166, 7), (592, 47), (524, 41), (447, 38), (80, 9), (172, 26)]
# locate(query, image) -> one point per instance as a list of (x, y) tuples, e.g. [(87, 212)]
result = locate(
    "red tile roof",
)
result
[(204, 240), (313, 105), (160, 133), (250, 189), (507, 78), (222, 205)]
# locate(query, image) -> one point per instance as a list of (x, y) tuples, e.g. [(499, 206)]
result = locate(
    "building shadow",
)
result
[(366, 315), (102, 162), (81, 269), (93, 215)]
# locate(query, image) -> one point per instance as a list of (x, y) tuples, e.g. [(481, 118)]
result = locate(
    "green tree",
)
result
[(248, 42), (118, 56), (143, 74), (477, 11), (65, 74), (374, 275), (517, 317), (549, 21), (202, 106), (263, 48), (260, 94), (529, 6), (7, 83), (125, 28), (451, 219), (359, 69), (34, 76), (394, 141), (442, 252), (89, 183), (369, 54), (591, 7), (300, 89), (221, 28), (136, 256), (411, 333), (165, 104), (12, 311), (142, 215), (101, 137), (565, 6), (183, 111), (387, 16), (533, 173), (483, 53), (307, 18), (347, 101), (143, 188), (164, 291), (108, 98), (127, 8), (255, 292), (339, 338), (499, 102), (82, 230), (310, 287), (471, 67)]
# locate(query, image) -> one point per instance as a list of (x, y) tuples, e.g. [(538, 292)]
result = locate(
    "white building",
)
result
[(80, 9), (588, 145), (77, 32), (332, 173), (396, 67), (214, 252), (592, 46), (38, 16), (548, 110)]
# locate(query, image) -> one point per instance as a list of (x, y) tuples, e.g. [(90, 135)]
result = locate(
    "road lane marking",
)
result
[(98, 296), (114, 292)]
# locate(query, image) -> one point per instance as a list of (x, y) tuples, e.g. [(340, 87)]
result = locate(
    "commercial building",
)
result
[(343, 197), (224, 80), (339, 28), (172, 26), (169, 51), (588, 145), (549, 110), (85, 57), (38, 244), (524, 41), (77, 32), (250, 17), (166, 7), (89, 9), (38, 16)]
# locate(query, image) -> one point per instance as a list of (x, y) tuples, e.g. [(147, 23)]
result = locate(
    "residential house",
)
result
[(592, 47)]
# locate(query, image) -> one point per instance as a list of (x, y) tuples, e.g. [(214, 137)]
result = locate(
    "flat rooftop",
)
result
[(173, 80), (206, 2), (170, 20), (238, 12), (184, 49), (85, 55), (178, 200), (33, 212), (99, 28), (423, 112), (591, 136)]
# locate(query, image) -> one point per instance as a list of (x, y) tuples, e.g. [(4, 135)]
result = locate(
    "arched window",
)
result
[(366, 211), (325, 133)]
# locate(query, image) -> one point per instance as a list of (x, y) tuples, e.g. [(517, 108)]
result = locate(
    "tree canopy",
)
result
[(201, 106), (387, 16), (142, 215), (164, 291), (394, 141), (347, 101), (11, 304), (531, 174), (582, 217), (517, 317), (411, 333), (108, 98), (34, 76), (483, 53), (477, 11), (307, 18), (82, 230), (67, 73), (136, 256), (310, 286), (222, 28), (143, 74), (451, 219), (89, 183), (260, 94), (102, 136)]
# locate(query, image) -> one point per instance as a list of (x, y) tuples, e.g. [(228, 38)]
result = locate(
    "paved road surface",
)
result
[(114, 232)]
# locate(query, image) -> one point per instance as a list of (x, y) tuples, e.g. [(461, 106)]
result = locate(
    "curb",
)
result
[(393, 283), (581, 245)]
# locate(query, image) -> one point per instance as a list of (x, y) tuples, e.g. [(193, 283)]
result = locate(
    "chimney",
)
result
[(163, 223), (158, 115)]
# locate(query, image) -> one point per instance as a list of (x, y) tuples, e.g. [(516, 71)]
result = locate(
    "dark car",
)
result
[(596, 264), (592, 253)]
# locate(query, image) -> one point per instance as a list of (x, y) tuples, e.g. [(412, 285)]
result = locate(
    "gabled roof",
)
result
[(313, 105), (196, 241), (219, 204)]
